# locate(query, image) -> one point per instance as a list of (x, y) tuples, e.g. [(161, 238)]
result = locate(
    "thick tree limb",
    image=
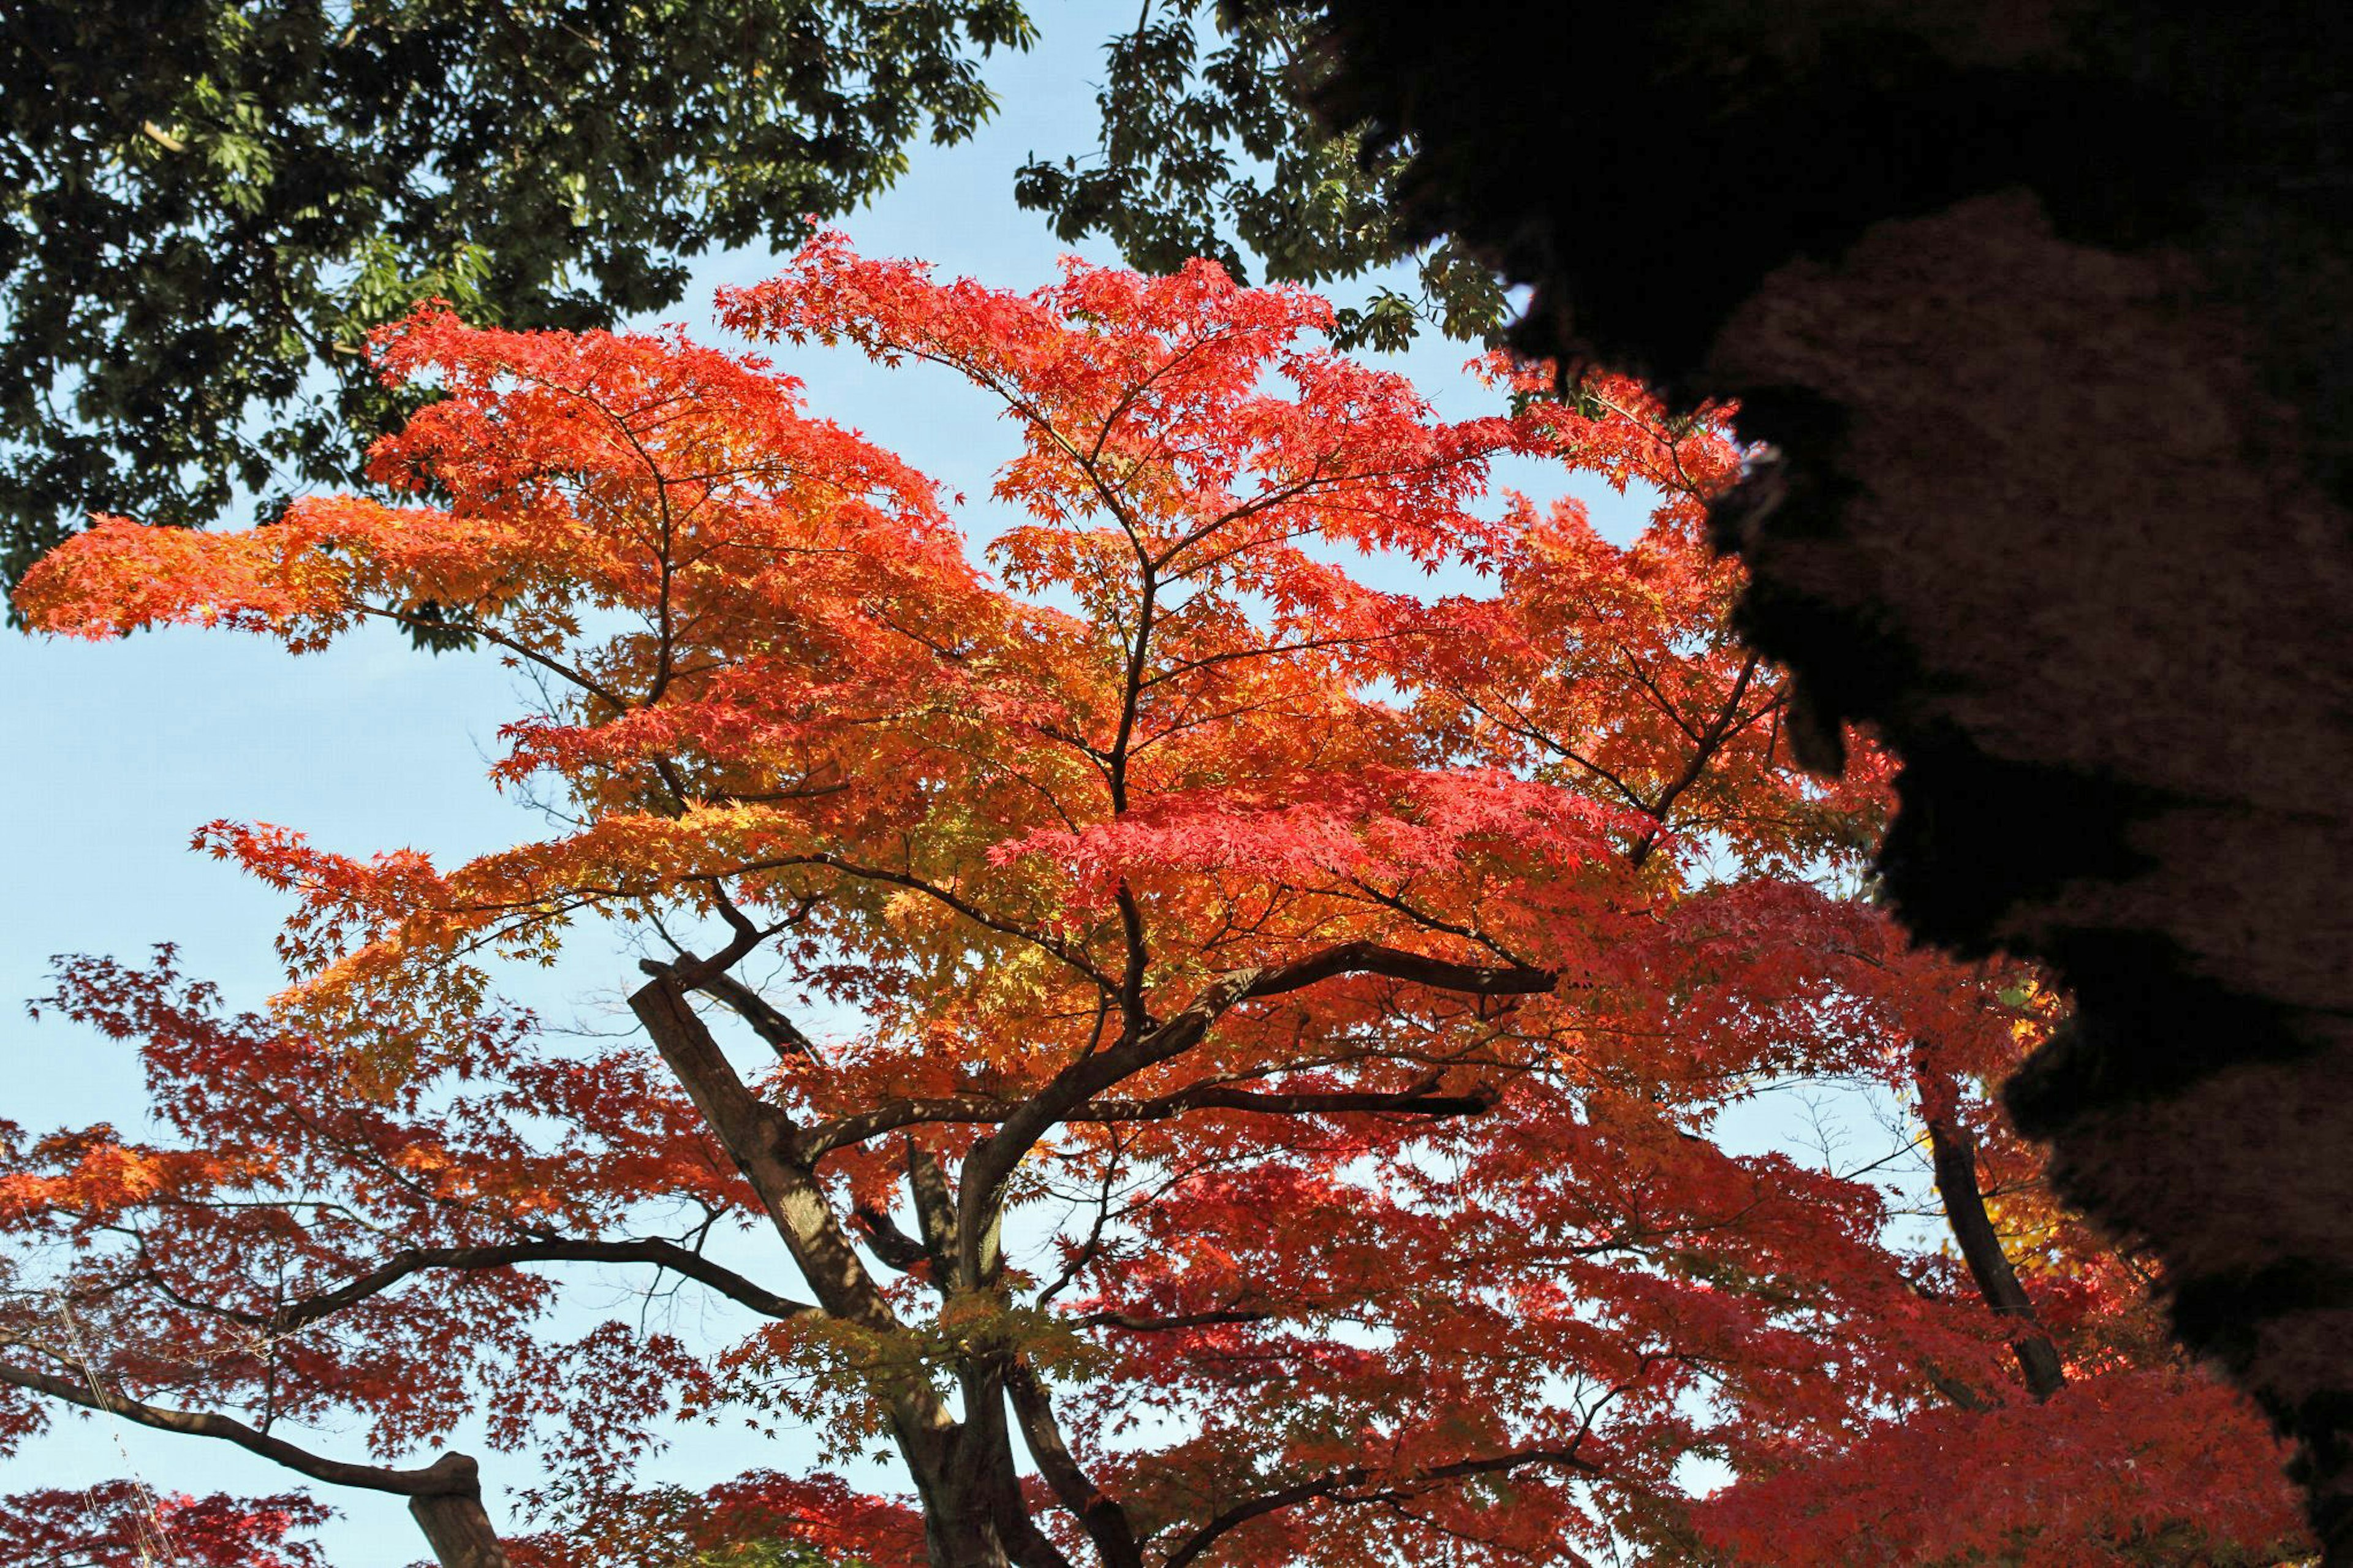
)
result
[(1397, 963), (1955, 1390), (844, 1130), (934, 1201), (1402, 1102), (761, 1141), (748, 1127), (781, 1034), (985, 1109), (1955, 1159), (1136, 1325), (458, 1531), (886, 1240), (1026, 1545)]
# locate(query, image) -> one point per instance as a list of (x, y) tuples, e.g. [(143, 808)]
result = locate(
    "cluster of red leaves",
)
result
[(120, 1524), (2144, 1466), (1340, 990), (820, 1514), (281, 1173)]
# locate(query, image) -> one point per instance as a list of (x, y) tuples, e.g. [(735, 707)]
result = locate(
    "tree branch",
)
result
[(1133, 1324), (762, 1142), (983, 1109), (662, 1254), (992, 1161), (452, 1474), (1717, 733), (1335, 1483), (1955, 1160), (780, 1033), (1396, 963), (883, 1238)]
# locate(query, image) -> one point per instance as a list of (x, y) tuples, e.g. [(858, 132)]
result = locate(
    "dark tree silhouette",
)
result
[(2046, 316)]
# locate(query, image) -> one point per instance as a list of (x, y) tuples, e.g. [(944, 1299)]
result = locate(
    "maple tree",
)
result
[(1292, 1024)]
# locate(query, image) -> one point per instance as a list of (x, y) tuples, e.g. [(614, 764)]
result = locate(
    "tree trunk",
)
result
[(960, 1521), (962, 1539), (974, 1513), (1955, 1161), (458, 1530)]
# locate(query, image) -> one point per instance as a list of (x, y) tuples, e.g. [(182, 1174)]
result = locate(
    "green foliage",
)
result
[(1204, 144), (208, 205)]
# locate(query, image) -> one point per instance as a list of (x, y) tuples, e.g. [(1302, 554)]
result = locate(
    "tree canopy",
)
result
[(1264, 1039), (209, 206), (1207, 149)]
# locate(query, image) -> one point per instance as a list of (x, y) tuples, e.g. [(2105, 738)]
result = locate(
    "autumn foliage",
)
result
[(117, 1524), (1204, 1045)]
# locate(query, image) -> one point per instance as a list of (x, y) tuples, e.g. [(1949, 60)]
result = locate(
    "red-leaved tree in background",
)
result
[(1203, 1055)]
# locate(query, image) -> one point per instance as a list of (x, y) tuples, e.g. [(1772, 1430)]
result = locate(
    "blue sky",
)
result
[(118, 752)]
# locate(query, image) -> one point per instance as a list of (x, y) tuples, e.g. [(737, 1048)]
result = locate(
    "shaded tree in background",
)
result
[(1207, 150), (1293, 1021), (2129, 217), (208, 206)]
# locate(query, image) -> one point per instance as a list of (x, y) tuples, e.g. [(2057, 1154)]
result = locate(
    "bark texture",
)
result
[(2046, 312), (458, 1529)]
